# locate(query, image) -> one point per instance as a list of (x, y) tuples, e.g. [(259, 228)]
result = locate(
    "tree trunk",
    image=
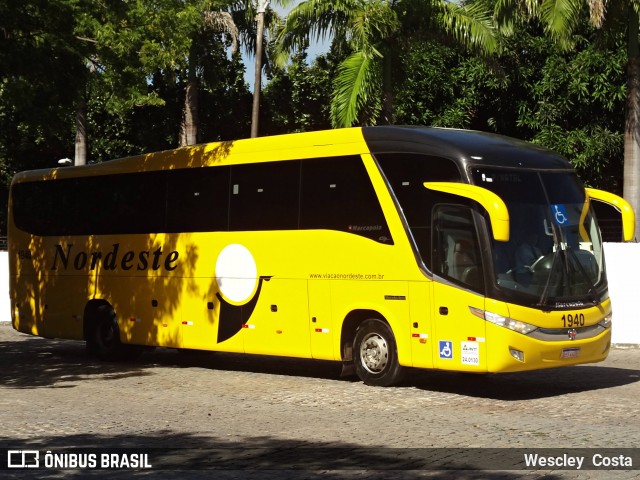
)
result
[(81, 133), (255, 111), (189, 127), (631, 185)]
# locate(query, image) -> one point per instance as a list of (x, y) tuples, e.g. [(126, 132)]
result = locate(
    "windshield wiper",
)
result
[(556, 235), (559, 245), (542, 302), (593, 294)]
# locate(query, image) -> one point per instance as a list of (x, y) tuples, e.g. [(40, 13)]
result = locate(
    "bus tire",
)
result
[(103, 339), (375, 354)]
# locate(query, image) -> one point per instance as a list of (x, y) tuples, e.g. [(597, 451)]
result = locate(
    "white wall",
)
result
[(623, 269)]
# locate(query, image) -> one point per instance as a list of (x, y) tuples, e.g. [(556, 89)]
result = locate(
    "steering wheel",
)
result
[(538, 265)]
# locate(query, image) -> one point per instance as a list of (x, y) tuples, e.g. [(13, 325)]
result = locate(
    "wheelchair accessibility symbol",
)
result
[(559, 214), (446, 349)]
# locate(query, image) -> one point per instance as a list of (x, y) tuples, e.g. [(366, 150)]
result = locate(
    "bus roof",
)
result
[(467, 147), (295, 146)]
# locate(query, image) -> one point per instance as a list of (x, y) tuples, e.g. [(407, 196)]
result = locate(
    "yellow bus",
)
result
[(382, 248)]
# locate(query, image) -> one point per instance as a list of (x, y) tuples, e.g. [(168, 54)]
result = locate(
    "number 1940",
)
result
[(572, 321)]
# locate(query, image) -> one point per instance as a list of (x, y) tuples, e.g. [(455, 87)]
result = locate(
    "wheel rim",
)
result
[(374, 353)]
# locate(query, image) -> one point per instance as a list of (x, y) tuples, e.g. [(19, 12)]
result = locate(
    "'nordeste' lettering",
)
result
[(114, 259)]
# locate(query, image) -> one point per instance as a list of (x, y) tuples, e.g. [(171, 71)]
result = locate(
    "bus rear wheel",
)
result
[(103, 337), (376, 355)]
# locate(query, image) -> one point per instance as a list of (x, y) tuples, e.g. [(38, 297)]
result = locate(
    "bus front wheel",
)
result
[(376, 355), (103, 339)]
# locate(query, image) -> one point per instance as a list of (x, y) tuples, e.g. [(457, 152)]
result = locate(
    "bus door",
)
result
[(459, 327)]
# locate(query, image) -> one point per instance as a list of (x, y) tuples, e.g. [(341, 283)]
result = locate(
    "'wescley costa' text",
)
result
[(560, 461), (113, 260)]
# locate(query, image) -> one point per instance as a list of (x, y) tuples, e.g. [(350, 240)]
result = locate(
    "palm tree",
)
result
[(218, 22), (264, 17), (373, 32), (255, 110), (560, 19)]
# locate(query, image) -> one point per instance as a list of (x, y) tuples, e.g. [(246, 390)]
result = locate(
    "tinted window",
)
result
[(198, 200), (264, 196), (334, 194), (512, 186), (610, 221), (407, 174), (132, 203), (337, 194), (29, 212)]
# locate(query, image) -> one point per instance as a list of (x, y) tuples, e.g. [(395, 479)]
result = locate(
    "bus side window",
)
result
[(456, 255), (32, 207), (198, 200), (264, 196), (337, 194), (610, 221), (407, 173)]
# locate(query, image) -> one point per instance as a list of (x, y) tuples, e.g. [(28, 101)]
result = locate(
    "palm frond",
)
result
[(508, 13), (356, 87), (597, 12), (471, 25), (222, 22), (374, 23), (315, 20), (560, 18)]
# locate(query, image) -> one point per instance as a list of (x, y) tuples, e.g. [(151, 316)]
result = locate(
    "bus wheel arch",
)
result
[(102, 333), (368, 344)]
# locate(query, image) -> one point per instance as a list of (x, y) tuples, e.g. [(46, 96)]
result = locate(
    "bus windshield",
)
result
[(554, 254)]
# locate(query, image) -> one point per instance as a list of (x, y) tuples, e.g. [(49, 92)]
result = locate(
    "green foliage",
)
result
[(577, 108), (448, 88), (569, 101), (297, 98), (373, 32), (225, 108), (127, 59), (357, 87), (132, 61), (40, 72)]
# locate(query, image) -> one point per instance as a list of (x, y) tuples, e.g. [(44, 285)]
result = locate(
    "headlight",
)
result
[(606, 321), (510, 323)]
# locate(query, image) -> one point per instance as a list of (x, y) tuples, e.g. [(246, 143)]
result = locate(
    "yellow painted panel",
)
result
[(199, 312), (460, 336), (553, 319), (387, 299), (322, 331), (422, 338), (280, 322), (628, 217), (539, 354)]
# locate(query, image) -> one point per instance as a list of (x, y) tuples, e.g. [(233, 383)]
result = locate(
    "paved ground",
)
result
[(275, 414)]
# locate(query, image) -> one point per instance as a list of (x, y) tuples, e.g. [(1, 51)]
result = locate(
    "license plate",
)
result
[(570, 352)]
